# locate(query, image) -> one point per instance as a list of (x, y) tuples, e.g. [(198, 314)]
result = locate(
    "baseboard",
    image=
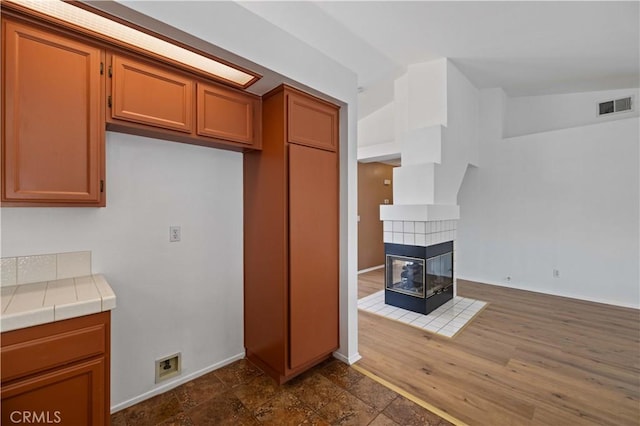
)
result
[(175, 383), (373, 268), (350, 360), (534, 290)]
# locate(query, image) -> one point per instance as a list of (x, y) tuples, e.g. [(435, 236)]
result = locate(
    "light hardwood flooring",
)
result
[(526, 359)]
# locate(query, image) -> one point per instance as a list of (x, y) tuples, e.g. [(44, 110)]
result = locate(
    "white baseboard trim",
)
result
[(175, 383), (373, 268), (350, 360), (534, 290)]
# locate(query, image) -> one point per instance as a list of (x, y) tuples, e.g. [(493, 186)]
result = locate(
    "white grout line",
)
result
[(446, 320)]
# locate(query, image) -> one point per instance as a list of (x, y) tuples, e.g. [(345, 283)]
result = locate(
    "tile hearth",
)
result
[(446, 321)]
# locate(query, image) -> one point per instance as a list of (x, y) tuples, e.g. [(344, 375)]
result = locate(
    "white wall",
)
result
[(565, 199), (171, 297), (533, 114), (377, 127), (188, 296)]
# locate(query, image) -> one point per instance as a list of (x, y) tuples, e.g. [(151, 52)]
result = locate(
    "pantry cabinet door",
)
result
[(313, 254)]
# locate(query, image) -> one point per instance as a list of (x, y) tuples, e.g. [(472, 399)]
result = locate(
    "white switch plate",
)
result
[(174, 234)]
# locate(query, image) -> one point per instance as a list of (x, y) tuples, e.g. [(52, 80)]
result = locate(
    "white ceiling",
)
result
[(527, 48)]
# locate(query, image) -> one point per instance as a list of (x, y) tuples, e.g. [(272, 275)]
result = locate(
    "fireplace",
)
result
[(418, 278)]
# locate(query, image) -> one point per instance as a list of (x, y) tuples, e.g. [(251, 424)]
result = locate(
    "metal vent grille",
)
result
[(617, 105), (623, 104)]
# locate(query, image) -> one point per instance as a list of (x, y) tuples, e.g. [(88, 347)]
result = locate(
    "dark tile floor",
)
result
[(241, 394)]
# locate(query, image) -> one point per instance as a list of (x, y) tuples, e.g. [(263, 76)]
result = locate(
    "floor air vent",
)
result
[(618, 105)]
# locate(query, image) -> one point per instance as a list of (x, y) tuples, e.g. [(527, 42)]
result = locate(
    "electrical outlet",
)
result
[(174, 234), (168, 367)]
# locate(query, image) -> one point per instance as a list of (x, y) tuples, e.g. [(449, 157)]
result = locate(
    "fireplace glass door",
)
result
[(439, 273), (405, 275)]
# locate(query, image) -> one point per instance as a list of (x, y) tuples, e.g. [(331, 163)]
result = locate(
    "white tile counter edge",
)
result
[(99, 299)]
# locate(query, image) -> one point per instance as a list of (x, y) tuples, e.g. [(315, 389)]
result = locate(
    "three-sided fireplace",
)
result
[(418, 278)]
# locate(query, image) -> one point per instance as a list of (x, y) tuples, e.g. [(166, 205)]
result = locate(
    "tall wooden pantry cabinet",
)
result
[(291, 192)]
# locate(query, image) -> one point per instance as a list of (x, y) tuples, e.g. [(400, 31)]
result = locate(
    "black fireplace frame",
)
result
[(422, 305)]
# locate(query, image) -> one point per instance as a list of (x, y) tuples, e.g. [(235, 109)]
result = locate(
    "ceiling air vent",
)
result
[(618, 105)]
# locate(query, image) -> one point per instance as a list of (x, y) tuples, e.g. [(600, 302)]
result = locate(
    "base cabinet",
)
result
[(291, 239), (57, 373)]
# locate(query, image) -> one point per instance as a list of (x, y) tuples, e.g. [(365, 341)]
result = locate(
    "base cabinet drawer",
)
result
[(49, 352)]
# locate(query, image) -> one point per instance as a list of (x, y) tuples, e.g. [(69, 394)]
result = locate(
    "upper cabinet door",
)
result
[(53, 137), (226, 114), (312, 122), (152, 95)]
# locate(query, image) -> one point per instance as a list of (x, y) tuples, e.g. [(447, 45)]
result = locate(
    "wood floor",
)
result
[(526, 359)]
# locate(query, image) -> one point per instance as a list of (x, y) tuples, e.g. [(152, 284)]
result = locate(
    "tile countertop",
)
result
[(27, 305)]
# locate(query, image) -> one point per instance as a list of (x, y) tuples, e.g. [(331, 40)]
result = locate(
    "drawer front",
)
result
[(27, 357)]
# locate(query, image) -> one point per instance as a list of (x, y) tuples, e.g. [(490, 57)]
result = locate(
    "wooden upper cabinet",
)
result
[(312, 122), (150, 94), (227, 114), (53, 116)]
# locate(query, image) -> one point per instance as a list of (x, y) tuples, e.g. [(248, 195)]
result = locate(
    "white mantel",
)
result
[(419, 212)]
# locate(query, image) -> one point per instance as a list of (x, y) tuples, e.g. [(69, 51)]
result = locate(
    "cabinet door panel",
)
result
[(313, 253), (225, 114), (68, 396), (147, 94), (53, 138), (312, 122)]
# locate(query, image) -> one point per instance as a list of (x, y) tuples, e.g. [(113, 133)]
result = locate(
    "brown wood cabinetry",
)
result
[(153, 100), (311, 123), (57, 101), (53, 118), (150, 94), (291, 240), (226, 114), (57, 372)]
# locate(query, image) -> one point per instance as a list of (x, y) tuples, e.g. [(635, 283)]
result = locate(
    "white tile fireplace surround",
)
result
[(416, 233)]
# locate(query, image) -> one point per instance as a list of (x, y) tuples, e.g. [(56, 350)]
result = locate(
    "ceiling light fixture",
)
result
[(126, 33)]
